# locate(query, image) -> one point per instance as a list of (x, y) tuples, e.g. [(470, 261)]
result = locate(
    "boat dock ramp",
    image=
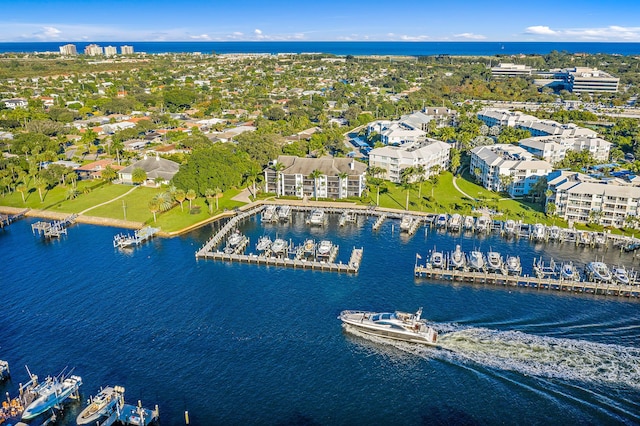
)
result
[(474, 277), (53, 229), (6, 219), (139, 237)]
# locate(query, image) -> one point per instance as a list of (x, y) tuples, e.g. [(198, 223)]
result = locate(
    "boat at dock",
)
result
[(568, 271), (436, 259), (539, 232), (585, 238), (406, 222), (102, 405), (441, 221), (51, 394), (264, 244), (279, 245), (455, 222), (284, 213), (599, 239), (513, 265), (4, 370), (509, 227), (309, 248), (269, 213), (597, 271), (482, 224), (620, 275), (317, 217), (235, 238), (495, 263), (324, 248), (397, 325), (476, 261), (554, 233), (544, 270), (468, 223), (457, 258)]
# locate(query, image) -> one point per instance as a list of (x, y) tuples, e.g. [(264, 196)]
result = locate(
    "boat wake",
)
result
[(541, 356)]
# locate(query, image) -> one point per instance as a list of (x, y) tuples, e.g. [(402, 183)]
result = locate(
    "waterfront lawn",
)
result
[(96, 196), (136, 203), (51, 198)]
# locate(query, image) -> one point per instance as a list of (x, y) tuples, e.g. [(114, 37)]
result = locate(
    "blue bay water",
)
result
[(247, 344), (484, 48)]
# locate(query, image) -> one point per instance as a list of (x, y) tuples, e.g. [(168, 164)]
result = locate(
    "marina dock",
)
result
[(6, 219), (133, 415), (526, 281), (54, 229), (139, 237)]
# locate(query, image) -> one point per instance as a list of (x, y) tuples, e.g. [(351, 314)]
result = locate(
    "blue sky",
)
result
[(328, 20)]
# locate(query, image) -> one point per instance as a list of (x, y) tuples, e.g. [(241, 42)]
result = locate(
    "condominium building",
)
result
[(399, 133), (554, 148), (502, 117), (93, 50), (411, 127), (580, 198), (509, 168), (431, 154), (126, 50), (510, 70), (338, 177), (68, 50), (583, 79), (110, 51)]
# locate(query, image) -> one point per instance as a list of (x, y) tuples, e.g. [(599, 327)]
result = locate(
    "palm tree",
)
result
[(164, 201), (22, 188), (109, 174), (419, 172), (191, 195), (406, 182), (278, 167), (138, 175), (315, 175), (218, 193), (180, 196), (374, 173), (252, 175), (154, 207), (41, 184), (342, 178), (210, 195)]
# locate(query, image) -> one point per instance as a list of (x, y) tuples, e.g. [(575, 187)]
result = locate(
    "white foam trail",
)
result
[(550, 357)]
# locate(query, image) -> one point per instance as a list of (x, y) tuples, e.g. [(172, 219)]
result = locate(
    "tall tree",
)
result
[(191, 195), (315, 175)]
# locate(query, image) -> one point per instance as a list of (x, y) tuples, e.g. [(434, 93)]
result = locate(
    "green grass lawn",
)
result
[(96, 196), (51, 198)]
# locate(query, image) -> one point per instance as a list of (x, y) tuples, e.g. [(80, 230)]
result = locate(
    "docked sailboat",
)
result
[(392, 325), (468, 223), (569, 272), (494, 262), (317, 217), (268, 214), (441, 221), (264, 243), (620, 275), (51, 394), (513, 265), (406, 222), (482, 224), (539, 232), (476, 261), (455, 222), (102, 405), (597, 271), (457, 258)]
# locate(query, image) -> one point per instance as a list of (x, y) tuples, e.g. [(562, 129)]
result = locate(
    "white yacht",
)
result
[(406, 222), (269, 213), (264, 244), (324, 248), (441, 221), (284, 213), (597, 271), (235, 238), (278, 246), (554, 233), (51, 393), (539, 232), (457, 258), (476, 261), (509, 227), (569, 272), (392, 325), (102, 405), (513, 265), (455, 222), (542, 270), (317, 217), (436, 259), (585, 238), (482, 224), (468, 223), (620, 275), (495, 262)]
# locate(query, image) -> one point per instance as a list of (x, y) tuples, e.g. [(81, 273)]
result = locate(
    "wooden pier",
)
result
[(526, 281), (53, 229), (139, 237), (8, 219), (379, 222)]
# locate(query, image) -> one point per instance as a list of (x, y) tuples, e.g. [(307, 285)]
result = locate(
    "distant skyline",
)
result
[(329, 20)]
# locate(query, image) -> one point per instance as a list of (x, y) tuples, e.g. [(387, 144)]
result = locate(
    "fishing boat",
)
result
[(284, 213), (278, 246), (620, 275), (554, 233), (585, 238), (569, 272), (51, 393), (494, 262), (102, 405), (513, 265), (476, 261), (543, 270), (441, 220), (264, 243), (268, 213), (309, 247), (455, 222), (539, 232), (482, 224), (4, 370), (457, 258), (597, 271), (345, 217), (436, 259), (317, 217), (235, 238), (599, 239), (509, 227), (324, 248), (406, 222), (468, 223), (392, 325)]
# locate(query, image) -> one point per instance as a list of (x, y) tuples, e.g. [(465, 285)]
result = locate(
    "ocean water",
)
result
[(239, 344), (484, 48)]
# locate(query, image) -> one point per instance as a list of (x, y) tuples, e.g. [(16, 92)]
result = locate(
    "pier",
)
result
[(379, 222), (6, 219), (139, 237), (53, 229), (127, 414), (472, 277)]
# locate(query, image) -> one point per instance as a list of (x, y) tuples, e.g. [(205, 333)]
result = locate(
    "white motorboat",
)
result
[(278, 246), (539, 232), (317, 217), (569, 272), (324, 248), (264, 243), (457, 258), (585, 238), (476, 261), (51, 393), (345, 218), (469, 221), (406, 222), (554, 233), (513, 265), (284, 212), (441, 221), (235, 238), (455, 222), (309, 247), (509, 227), (620, 275), (599, 239), (483, 224), (597, 271), (495, 262), (436, 259), (102, 405), (392, 325), (268, 214)]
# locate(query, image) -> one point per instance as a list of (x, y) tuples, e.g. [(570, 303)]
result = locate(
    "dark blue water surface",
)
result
[(483, 48), (245, 344)]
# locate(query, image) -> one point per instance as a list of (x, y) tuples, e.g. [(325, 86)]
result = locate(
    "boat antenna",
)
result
[(418, 314)]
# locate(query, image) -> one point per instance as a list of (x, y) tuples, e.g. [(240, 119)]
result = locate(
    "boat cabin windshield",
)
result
[(385, 316)]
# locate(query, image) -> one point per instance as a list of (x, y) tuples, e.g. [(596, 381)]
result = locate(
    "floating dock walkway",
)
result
[(527, 282), (6, 220), (53, 229)]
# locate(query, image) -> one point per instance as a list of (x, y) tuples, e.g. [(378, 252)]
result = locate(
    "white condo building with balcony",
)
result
[(431, 154)]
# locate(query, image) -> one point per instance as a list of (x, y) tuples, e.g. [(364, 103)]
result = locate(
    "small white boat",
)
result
[(468, 223), (309, 247), (264, 243), (569, 272), (436, 259), (102, 405), (599, 239), (597, 271), (392, 325), (495, 262), (482, 224), (406, 222), (457, 258), (554, 233), (324, 248), (441, 221), (455, 222), (620, 275), (268, 214), (513, 265), (585, 238), (317, 217), (235, 238), (51, 393), (539, 232), (476, 261), (345, 217), (284, 213), (509, 227), (278, 246)]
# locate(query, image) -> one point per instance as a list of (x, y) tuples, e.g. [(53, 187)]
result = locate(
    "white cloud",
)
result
[(200, 37), (540, 29), (257, 32), (610, 33), (470, 36)]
